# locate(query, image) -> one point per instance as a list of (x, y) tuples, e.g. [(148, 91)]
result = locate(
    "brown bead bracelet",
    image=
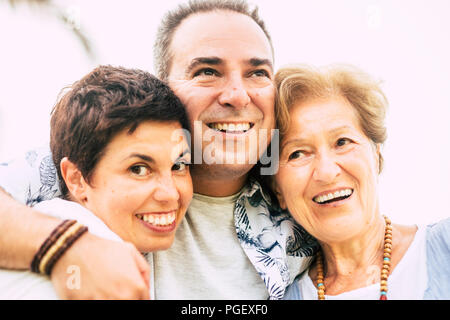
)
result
[(66, 245), (55, 245), (51, 239)]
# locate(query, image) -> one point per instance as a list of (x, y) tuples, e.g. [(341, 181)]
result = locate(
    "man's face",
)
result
[(222, 71)]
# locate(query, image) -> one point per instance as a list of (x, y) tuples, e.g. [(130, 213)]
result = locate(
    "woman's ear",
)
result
[(281, 200), (74, 180), (378, 158), (278, 194)]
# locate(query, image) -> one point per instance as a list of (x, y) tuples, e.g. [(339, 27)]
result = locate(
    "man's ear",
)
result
[(74, 180)]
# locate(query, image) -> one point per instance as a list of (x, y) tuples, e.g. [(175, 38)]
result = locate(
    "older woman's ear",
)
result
[(276, 191), (281, 201), (379, 158), (74, 180)]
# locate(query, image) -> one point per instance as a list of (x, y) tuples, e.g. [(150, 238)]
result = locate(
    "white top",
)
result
[(18, 284), (206, 260), (408, 281)]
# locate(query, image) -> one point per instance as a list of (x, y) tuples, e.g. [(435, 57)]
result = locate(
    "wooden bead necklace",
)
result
[(384, 271)]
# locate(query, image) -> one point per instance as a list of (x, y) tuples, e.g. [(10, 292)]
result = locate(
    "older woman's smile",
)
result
[(328, 169), (333, 196), (332, 131)]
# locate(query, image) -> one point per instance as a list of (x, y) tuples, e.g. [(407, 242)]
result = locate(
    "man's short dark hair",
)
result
[(173, 18), (100, 105)]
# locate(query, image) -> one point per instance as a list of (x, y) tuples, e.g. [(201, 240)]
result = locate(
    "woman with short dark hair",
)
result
[(120, 143)]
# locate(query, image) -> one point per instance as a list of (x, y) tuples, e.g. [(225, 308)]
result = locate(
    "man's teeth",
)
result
[(158, 219), (231, 127), (331, 196)]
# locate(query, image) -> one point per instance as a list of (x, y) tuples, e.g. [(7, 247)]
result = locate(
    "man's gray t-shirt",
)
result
[(206, 260)]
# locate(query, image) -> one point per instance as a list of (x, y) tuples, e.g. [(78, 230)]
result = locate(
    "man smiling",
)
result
[(224, 77), (217, 57)]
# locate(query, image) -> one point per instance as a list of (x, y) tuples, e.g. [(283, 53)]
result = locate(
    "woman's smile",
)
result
[(142, 186), (163, 222), (333, 196), (328, 169)]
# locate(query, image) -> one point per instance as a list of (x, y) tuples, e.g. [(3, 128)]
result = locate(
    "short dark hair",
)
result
[(173, 18), (100, 105)]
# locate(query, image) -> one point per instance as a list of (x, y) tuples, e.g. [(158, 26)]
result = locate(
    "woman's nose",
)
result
[(166, 190), (234, 93), (326, 168)]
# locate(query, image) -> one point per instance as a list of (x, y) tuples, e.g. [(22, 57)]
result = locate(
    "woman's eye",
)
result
[(180, 166), (140, 170), (208, 72), (342, 142), (296, 154)]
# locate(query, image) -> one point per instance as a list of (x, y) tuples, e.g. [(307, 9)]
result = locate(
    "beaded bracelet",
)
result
[(55, 245), (63, 248), (56, 233)]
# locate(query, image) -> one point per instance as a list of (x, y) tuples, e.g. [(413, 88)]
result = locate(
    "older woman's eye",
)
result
[(296, 154), (140, 170), (343, 141)]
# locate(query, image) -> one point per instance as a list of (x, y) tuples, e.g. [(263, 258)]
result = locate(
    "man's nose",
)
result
[(326, 168), (234, 93), (166, 190)]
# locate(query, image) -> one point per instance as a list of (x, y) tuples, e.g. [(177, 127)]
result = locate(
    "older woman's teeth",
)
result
[(231, 127), (341, 194), (158, 219)]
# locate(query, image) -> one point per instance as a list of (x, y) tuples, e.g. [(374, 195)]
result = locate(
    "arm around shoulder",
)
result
[(25, 181), (109, 269), (22, 231)]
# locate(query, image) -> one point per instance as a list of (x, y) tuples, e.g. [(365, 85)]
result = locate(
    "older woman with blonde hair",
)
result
[(331, 123)]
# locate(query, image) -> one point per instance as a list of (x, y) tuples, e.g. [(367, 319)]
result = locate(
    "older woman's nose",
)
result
[(326, 169), (166, 190), (234, 93)]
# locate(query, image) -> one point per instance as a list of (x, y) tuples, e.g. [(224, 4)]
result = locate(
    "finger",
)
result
[(144, 270)]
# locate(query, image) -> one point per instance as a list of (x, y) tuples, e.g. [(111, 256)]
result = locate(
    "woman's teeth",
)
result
[(231, 127), (158, 219), (337, 195)]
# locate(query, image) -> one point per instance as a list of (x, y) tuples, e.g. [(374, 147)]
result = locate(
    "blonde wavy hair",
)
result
[(299, 83)]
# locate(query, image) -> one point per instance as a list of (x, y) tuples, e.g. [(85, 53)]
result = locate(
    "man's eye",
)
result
[(180, 166), (208, 72), (260, 73), (342, 142), (296, 154), (140, 170)]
